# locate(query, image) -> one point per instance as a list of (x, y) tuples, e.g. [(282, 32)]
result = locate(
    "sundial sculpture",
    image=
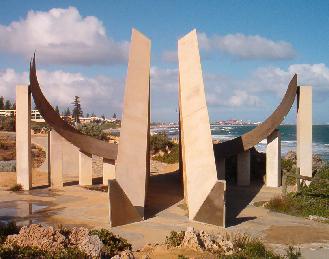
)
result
[(204, 193)]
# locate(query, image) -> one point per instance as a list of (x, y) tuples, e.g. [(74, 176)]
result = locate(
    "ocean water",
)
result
[(288, 137)]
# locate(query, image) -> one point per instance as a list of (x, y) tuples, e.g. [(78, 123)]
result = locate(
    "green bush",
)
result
[(113, 245), (8, 229), (175, 238)]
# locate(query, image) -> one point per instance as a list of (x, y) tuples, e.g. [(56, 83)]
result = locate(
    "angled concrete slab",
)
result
[(304, 130), (205, 193), (273, 159), (23, 137), (132, 166)]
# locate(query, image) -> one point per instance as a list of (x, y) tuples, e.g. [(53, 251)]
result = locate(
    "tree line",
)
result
[(6, 104)]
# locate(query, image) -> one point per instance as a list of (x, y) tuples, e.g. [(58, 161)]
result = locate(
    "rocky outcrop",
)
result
[(50, 239), (91, 245), (317, 163), (202, 241), (42, 237)]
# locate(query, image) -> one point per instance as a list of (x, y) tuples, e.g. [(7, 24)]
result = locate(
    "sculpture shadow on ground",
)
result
[(237, 199), (164, 190)]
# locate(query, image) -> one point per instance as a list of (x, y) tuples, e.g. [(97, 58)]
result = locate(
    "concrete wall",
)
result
[(85, 169), (23, 137), (56, 159)]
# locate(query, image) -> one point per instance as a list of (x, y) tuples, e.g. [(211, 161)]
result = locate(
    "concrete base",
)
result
[(220, 166), (304, 130), (23, 137), (243, 168), (108, 171), (55, 159), (85, 169), (273, 160)]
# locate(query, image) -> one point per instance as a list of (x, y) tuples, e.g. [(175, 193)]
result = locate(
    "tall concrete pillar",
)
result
[(108, 171), (127, 191), (304, 130), (205, 193), (23, 137), (85, 169), (243, 168), (273, 159), (55, 166)]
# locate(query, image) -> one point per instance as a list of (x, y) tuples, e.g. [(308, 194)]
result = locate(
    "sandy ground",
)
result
[(165, 211)]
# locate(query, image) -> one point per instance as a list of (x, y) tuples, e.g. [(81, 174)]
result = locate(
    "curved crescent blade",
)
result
[(262, 131), (85, 143)]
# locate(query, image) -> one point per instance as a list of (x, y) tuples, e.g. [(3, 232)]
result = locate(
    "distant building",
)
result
[(35, 115)]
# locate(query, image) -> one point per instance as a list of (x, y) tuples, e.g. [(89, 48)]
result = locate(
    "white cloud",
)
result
[(98, 94), (164, 79), (170, 56), (274, 79), (62, 36), (247, 46)]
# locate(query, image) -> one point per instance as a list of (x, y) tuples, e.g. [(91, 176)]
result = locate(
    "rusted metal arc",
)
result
[(85, 143), (262, 131)]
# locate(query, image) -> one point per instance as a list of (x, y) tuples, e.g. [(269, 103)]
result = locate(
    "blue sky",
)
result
[(249, 52)]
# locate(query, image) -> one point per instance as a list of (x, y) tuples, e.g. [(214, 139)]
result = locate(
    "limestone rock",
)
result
[(50, 239), (42, 237), (80, 238), (127, 254), (192, 239)]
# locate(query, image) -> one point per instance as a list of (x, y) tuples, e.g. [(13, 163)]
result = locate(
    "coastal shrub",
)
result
[(16, 188), (93, 130), (293, 253), (33, 252), (175, 238), (247, 247), (111, 125), (300, 204), (8, 166), (311, 200), (39, 127), (113, 245), (7, 123), (288, 166), (170, 158), (160, 142)]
